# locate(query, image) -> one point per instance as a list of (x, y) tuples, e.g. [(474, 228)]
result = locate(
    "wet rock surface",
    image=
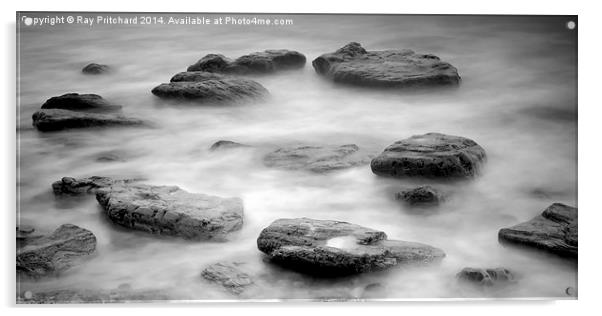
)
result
[(80, 102), (56, 120), (95, 69), (485, 277), (555, 230), (267, 61), (52, 254), (73, 186), (229, 275), (226, 144), (169, 210), (318, 159), (352, 64), (225, 90), (331, 248), (422, 196), (431, 155)]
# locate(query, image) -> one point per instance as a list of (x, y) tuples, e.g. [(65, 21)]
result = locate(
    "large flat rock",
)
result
[(352, 64), (169, 210), (80, 102), (206, 88), (555, 230), (264, 62), (431, 155), (47, 120), (317, 158), (330, 248)]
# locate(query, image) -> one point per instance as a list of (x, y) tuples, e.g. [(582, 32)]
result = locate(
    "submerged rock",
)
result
[(55, 253), (95, 69), (73, 186), (80, 102), (267, 61), (424, 195), (229, 276), (226, 90), (352, 64), (169, 210), (55, 120), (330, 248), (485, 277), (226, 144), (555, 230), (431, 155), (317, 158)]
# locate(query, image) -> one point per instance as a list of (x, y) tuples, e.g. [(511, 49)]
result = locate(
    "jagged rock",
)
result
[(95, 69), (431, 155), (424, 195), (55, 120), (226, 144), (169, 210), (317, 158), (329, 248), (78, 296), (80, 102), (485, 277), (228, 275), (72, 186), (260, 62), (55, 253), (226, 90), (352, 64), (555, 230)]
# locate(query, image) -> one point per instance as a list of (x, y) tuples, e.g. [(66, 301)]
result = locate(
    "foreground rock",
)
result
[(431, 155), (317, 158), (228, 275), (555, 230), (352, 64), (73, 186), (329, 248), (169, 210), (56, 120), (55, 253), (224, 90), (78, 296), (95, 69), (423, 196), (255, 63), (487, 277), (226, 144), (80, 102)]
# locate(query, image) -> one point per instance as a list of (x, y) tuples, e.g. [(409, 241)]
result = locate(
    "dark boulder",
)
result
[(55, 253), (169, 210), (95, 69), (80, 102), (226, 144), (431, 155), (225, 90), (352, 64), (424, 195), (330, 248), (255, 63), (555, 230), (55, 120), (317, 158), (487, 277), (228, 275)]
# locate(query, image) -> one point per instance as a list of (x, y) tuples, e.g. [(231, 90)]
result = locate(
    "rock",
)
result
[(431, 155), (555, 230), (80, 102), (55, 120), (485, 277), (226, 90), (329, 248), (55, 253), (24, 230), (111, 156), (76, 296), (169, 210), (95, 69), (255, 63), (226, 144), (72, 186), (197, 76), (316, 158), (229, 276), (352, 64), (424, 195)]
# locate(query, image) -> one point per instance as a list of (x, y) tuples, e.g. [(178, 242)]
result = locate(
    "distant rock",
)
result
[(55, 253), (228, 275), (423, 195), (486, 277), (555, 230), (95, 69), (352, 64), (319, 159), (56, 120), (328, 248), (226, 144), (431, 155), (255, 63), (226, 90), (80, 102), (112, 156), (169, 210), (73, 186)]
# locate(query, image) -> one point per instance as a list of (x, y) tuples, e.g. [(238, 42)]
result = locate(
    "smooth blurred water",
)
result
[(517, 99)]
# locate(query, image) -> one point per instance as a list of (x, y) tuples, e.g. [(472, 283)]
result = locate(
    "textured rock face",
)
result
[(225, 90), (324, 247), (169, 210), (55, 253), (424, 195), (316, 158), (431, 155), (255, 63), (555, 230), (95, 69), (485, 277), (80, 102), (228, 275), (226, 144), (55, 120), (352, 64), (72, 186)]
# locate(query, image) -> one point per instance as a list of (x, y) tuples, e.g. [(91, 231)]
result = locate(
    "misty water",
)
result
[(517, 99)]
